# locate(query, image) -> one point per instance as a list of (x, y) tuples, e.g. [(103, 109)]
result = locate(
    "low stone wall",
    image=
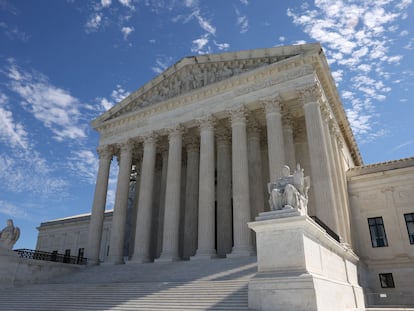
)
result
[(15, 271)]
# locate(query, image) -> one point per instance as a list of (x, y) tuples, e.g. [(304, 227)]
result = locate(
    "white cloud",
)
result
[(355, 36), (117, 95), (84, 163), (11, 132), (127, 3), (161, 63), (242, 21), (126, 31), (11, 210), (222, 46), (93, 23), (282, 39), (106, 3), (245, 2), (56, 108), (200, 44)]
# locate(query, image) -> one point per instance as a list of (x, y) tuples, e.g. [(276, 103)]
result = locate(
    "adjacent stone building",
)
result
[(203, 139)]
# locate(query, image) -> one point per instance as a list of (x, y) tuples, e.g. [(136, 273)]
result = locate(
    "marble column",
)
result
[(255, 168), (241, 196), (343, 192), (161, 208), (116, 245), (145, 206), (274, 137), (134, 212), (319, 157), (206, 196), (290, 158), (170, 242), (224, 206), (98, 207), (191, 197)]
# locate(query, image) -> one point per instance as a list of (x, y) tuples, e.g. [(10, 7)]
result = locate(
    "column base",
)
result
[(167, 258), (138, 260), (241, 252), (113, 261), (204, 255)]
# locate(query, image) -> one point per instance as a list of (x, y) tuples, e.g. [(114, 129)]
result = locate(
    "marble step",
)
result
[(198, 295)]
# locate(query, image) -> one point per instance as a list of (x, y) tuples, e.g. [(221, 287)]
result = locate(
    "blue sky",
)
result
[(63, 63)]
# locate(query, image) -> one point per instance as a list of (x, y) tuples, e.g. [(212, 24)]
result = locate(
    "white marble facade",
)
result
[(206, 136)]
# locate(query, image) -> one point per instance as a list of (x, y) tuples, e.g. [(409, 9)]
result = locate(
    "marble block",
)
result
[(301, 268)]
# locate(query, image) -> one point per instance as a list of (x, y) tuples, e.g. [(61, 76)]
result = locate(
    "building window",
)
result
[(377, 231), (386, 280), (409, 221)]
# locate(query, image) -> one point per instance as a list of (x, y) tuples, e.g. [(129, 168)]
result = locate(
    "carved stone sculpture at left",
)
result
[(9, 235)]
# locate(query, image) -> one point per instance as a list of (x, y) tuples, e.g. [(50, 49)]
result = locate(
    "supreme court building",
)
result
[(197, 146)]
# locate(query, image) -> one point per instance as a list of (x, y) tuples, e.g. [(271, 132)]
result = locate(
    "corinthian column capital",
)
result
[(206, 123), (105, 152), (176, 130), (272, 105), (310, 94), (238, 115), (150, 139)]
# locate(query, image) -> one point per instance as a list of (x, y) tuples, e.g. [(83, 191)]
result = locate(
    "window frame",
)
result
[(386, 280), (410, 234), (378, 228)]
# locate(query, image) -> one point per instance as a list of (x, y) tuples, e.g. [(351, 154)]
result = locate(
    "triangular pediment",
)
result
[(196, 72)]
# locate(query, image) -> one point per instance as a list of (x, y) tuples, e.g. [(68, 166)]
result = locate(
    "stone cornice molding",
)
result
[(258, 74)]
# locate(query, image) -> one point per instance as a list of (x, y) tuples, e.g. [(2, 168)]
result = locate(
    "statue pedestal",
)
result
[(300, 267), (9, 261)]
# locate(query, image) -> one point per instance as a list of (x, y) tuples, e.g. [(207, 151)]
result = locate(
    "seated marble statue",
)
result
[(289, 191), (9, 235)]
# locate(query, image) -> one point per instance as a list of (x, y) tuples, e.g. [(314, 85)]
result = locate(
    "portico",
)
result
[(210, 132)]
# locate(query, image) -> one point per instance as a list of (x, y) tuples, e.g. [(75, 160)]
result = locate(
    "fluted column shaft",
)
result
[(98, 207), (191, 198), (241, 198), (319, 158), (170, 242), (274, 138), (144, 216), (255, 169), (116, 245), (290, 158), (161, 211), (224, 208), (206, 208)]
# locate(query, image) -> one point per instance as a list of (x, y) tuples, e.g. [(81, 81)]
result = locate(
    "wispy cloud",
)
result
[(84, 163), (11, 132), (93, 23), (11, 210), (355, 36), (56, 108), (403, 145), (117, 95), (161, 63), (126, 31), (13, 32), (242, 21)]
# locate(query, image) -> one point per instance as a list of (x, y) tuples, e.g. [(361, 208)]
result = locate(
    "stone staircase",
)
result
[(216, 284)]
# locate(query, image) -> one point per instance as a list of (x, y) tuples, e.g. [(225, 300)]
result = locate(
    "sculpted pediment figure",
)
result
[(9, 235), (196, 72)]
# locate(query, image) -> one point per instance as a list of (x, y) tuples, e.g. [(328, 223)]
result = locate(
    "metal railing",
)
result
[(55, 257), (327, 229)]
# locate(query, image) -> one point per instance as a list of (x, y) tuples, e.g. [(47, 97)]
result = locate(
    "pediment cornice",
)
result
[(197, 72)]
